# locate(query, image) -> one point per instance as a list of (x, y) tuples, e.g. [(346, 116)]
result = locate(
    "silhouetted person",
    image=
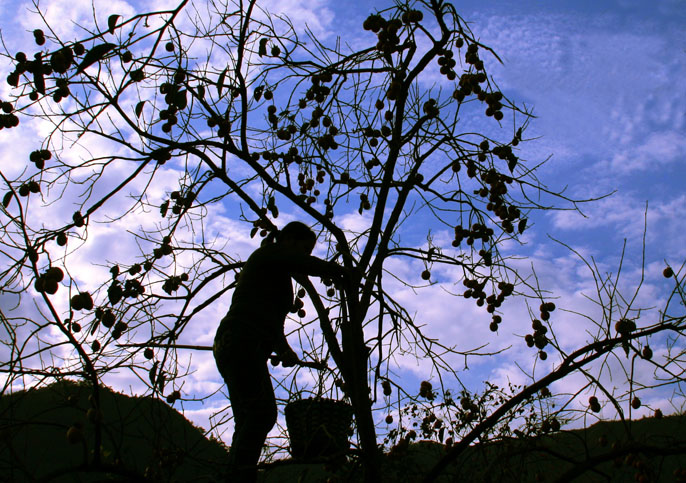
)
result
[(253, 329)]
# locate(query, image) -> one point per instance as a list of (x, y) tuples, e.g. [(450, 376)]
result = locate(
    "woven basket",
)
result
[(318, 428)]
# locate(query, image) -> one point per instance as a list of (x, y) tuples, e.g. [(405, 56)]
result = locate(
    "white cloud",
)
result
[(623, 215), (656, 151), (69, 18), (315, 14), (598, 88)]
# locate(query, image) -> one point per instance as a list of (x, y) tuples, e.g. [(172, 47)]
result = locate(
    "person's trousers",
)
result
[(243, 365)]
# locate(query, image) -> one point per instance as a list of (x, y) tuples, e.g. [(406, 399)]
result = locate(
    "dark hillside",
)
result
[(146, 440), (655, 451), (141, 436)]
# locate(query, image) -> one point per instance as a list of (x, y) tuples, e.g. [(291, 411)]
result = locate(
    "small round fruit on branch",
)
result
[(32, 254), (34, 187), (625, 326), (50, 286), (426, 390), (24, 190), (547, 306), (594, 404), (137, 75), (108, 318), (39, 284), (76, 303), (94, 415), (74, 435), (78, 219), (55, 273), (81, 301), (39, 36), (173, 397), (86, 300)]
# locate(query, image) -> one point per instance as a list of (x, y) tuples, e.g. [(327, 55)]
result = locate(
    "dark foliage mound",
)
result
[(48, 434)]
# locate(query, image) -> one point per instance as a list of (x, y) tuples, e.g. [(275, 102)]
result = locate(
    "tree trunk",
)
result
[(367, 437), (355, 354)]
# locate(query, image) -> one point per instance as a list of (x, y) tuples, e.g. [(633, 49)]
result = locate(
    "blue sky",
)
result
[(606, 81)]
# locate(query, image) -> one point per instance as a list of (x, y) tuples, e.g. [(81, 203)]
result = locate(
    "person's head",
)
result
[(297, 235)]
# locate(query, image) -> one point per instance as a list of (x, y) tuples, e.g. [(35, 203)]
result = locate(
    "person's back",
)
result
[(263, 295)]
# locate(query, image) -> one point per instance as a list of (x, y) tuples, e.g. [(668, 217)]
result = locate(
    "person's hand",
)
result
[(320, 366), (288, 358), (343, 277)]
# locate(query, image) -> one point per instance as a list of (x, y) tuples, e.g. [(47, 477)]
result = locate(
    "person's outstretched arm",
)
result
[(296, 262)]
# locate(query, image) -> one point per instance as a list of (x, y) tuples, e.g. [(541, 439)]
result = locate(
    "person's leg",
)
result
[(244, 368), (255, 415)]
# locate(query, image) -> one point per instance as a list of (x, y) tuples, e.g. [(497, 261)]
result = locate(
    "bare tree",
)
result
[(256, 115)]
